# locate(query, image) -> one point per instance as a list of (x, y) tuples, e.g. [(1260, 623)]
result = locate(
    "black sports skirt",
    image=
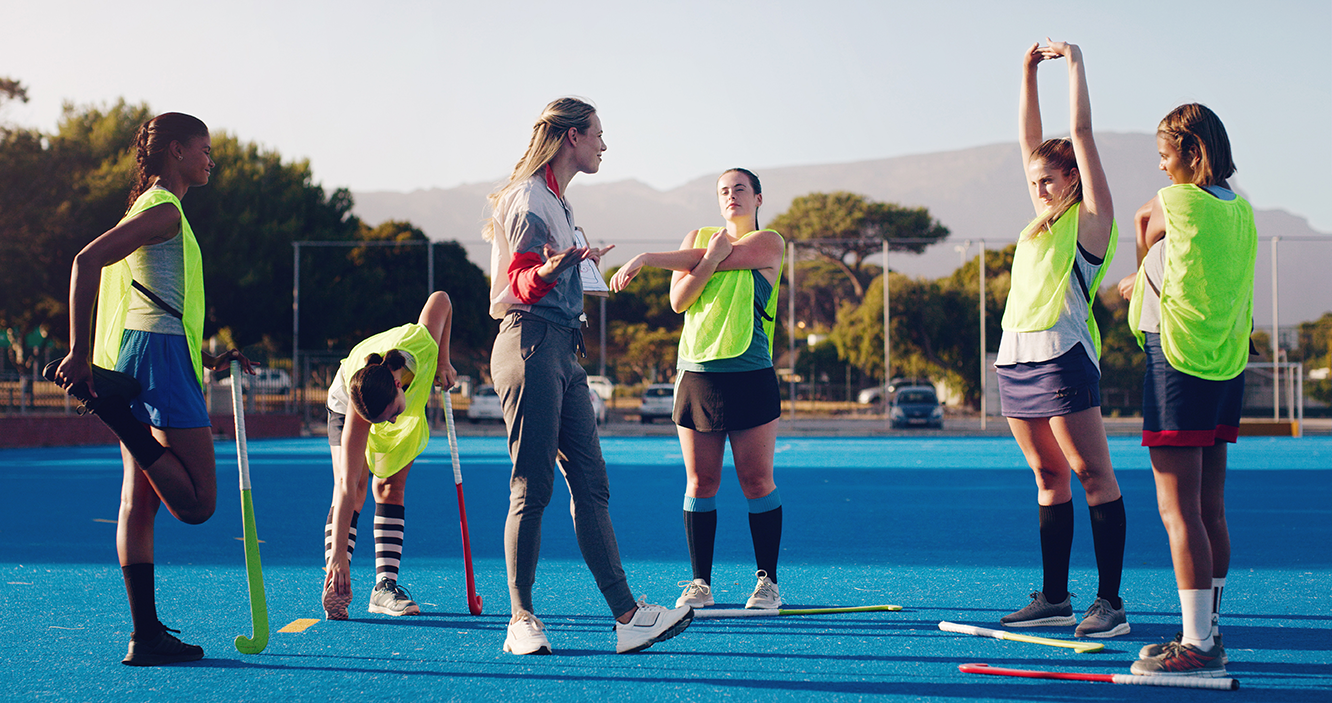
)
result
[(720, 402)]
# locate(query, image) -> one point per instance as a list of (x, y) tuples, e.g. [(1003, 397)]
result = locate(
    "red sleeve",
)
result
[(527, 286)]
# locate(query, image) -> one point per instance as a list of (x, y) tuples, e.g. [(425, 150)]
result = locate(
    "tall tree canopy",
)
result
[(59, 191), (845, 228)]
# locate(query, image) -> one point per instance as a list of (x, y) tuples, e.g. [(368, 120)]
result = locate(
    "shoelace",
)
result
[(692, 588), (532, 624), (1100, 607)]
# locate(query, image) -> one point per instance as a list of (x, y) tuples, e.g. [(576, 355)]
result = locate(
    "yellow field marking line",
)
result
[(299, 625)]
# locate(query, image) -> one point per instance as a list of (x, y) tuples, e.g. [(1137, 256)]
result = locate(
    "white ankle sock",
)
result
[(1218, 587), (1196, 606)]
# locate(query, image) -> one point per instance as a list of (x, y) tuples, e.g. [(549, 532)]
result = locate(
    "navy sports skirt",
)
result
[(1179, 410), (1064, 385)]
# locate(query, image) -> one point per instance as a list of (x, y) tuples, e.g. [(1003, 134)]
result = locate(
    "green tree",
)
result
[(1316, 353), (845, 228), (935, 325)]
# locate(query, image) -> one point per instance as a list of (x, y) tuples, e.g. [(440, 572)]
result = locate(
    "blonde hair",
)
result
[(547, 136), (1198, 135), (1057, 154)]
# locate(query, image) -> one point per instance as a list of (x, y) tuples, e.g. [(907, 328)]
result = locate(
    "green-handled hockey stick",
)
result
[(254, 571), (775, 612)]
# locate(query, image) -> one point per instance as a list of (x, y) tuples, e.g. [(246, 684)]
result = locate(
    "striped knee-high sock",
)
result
[(328, 537), (388, 541)]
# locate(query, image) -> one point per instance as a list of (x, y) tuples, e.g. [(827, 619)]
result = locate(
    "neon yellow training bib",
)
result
[(1207, 292), (1042, 264), (113, 295), (720, 323), (393, 445)]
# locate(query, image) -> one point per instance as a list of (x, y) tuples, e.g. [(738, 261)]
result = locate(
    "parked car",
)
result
[(874, 394), (602, 386), (598, 406), (658, 401), (266, 380), (915, 406), (485, 405)]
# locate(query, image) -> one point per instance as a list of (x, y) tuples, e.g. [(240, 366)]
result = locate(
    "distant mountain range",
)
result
[(978, 193)]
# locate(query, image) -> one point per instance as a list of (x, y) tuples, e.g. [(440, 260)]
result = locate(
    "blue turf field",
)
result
[(944, 527)]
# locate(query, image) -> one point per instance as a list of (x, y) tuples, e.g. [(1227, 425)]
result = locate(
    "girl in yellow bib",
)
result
[(377, 425), (146, 277), (1048, 360), (1192, 312), (725, 282)]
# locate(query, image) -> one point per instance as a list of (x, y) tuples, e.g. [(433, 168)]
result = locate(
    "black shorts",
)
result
[(336, 422), (1179, 410), (721, 402), (1064, 385)]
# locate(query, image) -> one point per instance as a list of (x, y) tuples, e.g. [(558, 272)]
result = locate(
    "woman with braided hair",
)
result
[(377, 425), (146, 277)]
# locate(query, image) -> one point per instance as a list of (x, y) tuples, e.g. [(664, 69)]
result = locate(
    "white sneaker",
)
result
[(697, 594), (765, 596), (651, 624), (526, 635)]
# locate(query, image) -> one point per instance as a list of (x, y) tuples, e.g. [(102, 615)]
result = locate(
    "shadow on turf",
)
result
[(981, 688)]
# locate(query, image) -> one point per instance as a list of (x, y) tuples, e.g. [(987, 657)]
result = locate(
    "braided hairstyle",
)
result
[(373, 387), (152, 141)]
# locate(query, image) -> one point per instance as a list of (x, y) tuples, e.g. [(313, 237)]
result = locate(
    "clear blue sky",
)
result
[(420, 94)]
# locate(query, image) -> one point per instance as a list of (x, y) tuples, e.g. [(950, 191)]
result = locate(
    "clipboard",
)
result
[(593, 282)]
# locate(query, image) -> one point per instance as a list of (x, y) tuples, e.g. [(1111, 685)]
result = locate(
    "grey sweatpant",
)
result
[(549, 417)]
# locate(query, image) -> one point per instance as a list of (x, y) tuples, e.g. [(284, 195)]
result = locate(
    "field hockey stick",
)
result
[(776, 612), (254, 571), (1079, 647), (1222, 684), (473, 598)]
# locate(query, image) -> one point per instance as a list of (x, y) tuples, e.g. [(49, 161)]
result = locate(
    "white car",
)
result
[(658, 401), (598, 406), (485, 405), (266, 380), (602, 386)]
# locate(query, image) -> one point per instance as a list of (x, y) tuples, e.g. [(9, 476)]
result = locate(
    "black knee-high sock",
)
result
[(389, 523), (701, 535), (765, 529), (1108, 536), (1056, 547), (142, 601), (328, 536)]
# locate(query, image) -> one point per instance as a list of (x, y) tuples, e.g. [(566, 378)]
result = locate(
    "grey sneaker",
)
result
[(1102, 620), (766, 596), (389, 598), (1177, 659), (335, 604), (1154, 650), (697, 594), (1042, 613)]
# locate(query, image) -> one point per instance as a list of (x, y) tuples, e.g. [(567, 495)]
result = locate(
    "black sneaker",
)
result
[(163, 649), (108, 382)]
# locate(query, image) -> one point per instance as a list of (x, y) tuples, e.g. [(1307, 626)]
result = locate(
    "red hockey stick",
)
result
[(473, 598), (1176, 681)]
